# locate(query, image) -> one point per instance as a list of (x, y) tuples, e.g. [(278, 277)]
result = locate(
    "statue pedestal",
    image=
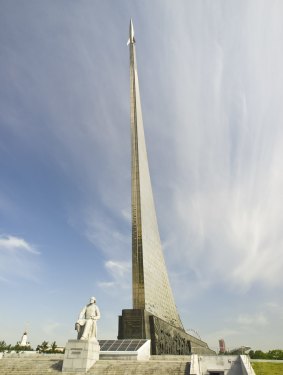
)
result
[(80, 355)]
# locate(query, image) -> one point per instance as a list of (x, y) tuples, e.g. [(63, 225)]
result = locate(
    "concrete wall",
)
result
[(204, 365), (246, 365), (228, 365), (144, 351)]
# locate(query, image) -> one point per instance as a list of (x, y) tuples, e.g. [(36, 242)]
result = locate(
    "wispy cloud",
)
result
[(50, 328), (258, 319), (227, 149), (106, 284), (119, 272), (212, 108), (11, 243), (103, 231), (118, 269), (18, 258), (4, 280)]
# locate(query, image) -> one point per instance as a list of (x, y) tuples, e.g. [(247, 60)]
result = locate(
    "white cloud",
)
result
[(106, 284), (225, 332), (126, 213), (11, 243), (103, 232), (272, 305), (212, 107), (119, 272), (258, 319), (18, 258), (229, 334), (50, 329), (118, 269), (226, 213), (4, 280)]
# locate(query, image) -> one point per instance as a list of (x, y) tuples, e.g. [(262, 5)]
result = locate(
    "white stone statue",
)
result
[(86, 324)]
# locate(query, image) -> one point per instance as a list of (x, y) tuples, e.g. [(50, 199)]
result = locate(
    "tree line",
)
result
[(271, 354), (44, 347)]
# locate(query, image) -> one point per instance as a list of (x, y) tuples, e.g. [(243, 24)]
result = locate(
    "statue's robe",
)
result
[(86, 324)]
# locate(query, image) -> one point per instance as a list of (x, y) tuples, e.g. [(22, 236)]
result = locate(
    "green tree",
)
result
[(18, 348), (54, 347), (3, 346), (271, 354), (259, 355), (43, 348), (275, 354)]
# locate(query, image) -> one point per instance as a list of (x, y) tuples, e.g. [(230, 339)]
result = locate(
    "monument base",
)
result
[(80, 355), (165, 338)]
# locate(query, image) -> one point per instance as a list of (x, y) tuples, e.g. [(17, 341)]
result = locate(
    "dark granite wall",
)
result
[(165, 338)]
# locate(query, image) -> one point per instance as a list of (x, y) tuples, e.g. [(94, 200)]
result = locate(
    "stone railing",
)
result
[(194, 370), (246, 365)]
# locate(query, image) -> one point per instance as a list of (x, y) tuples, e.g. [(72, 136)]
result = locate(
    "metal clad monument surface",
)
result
[(151, 288), (154, 315)]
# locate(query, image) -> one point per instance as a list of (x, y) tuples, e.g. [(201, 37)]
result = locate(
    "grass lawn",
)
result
[(265, 368)]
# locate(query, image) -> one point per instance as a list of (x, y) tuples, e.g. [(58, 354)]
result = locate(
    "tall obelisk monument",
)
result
[(151, 288), (154, 315)]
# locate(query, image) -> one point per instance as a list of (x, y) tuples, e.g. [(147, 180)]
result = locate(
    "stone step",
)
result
[(53, 366), (30, 366), (179, 358), (140, 368)]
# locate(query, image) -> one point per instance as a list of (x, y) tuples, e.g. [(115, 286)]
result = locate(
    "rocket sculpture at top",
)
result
[(151, 287)]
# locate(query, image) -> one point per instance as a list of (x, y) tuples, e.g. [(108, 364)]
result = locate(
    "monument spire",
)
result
[(131, 34), (154, 315), (151, 287)]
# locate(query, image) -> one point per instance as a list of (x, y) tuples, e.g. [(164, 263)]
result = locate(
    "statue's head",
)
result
[(92, 300)]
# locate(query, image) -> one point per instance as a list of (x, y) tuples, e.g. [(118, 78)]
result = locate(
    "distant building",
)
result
[(222, 347), (60, 349), (24, 340)]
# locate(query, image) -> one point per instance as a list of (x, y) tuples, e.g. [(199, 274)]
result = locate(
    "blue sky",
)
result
[(211, 83)]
